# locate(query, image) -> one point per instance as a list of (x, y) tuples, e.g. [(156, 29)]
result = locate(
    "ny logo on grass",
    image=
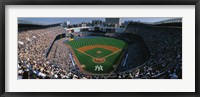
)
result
[(98, 68)]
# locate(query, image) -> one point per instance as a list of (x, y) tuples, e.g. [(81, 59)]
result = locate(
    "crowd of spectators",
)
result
[(32, 45), (165, 46)]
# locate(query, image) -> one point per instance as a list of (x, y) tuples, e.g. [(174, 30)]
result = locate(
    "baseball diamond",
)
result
[(97, 52)]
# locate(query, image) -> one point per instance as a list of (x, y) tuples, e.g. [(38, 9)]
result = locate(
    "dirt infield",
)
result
[(111, 48)]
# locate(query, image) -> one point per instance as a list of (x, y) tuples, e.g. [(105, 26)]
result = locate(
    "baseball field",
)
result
[(97, 55)]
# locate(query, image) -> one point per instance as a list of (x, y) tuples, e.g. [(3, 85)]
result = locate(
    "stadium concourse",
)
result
[(164, 61)]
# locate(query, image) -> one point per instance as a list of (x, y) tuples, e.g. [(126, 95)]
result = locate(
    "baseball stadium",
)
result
[(100, 50)]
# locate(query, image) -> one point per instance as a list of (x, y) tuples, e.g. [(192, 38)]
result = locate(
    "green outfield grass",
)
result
[(86, 58)]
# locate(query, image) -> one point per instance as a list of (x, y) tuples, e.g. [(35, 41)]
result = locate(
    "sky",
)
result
[(79, 20)]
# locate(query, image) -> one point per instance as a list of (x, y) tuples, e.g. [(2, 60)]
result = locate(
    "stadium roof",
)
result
[(28, 22)]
